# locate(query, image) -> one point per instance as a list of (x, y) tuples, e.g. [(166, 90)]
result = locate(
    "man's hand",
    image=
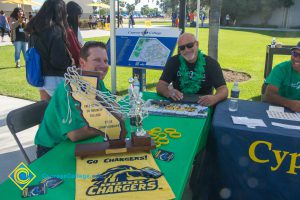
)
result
[(272, 96), (211, 100), (294, 105), (163, 88), (207, 100), (175, 94)]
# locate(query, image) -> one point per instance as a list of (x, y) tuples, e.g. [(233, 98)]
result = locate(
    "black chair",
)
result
[(24, 118)]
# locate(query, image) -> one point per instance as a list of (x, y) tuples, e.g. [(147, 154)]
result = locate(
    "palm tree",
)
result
[(214, 25)]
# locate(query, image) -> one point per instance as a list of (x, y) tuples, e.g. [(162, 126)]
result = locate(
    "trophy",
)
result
[(104, 113), (137, 114)]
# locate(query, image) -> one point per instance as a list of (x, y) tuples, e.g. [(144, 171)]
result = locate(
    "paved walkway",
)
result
[(10, 155)]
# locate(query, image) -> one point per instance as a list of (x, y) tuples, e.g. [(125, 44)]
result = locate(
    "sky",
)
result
[(138, 7)]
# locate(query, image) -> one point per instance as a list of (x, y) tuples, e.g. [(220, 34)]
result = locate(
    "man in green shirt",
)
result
[(62, 120), (284, 82)]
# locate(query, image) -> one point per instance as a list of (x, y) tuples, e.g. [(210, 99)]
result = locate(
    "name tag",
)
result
[(21, 30)]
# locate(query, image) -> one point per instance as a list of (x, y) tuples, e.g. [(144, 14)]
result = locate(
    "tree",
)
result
[(214, 25), (145, 10), (239, 9), (286, 3), (130, 7), (165, 4)]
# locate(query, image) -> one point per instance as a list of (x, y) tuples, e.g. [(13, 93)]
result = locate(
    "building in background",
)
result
[(281, 17), (8, 8)]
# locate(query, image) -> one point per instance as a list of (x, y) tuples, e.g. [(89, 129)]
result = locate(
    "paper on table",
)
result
[(283, 115), (250, 123), (276, 108), (285, 126)]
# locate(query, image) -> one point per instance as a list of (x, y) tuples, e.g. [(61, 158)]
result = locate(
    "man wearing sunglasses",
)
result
[(192, 72), (284, 82)]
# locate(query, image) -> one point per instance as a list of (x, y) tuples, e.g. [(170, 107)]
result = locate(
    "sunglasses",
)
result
[(188, 45), (295, 54)]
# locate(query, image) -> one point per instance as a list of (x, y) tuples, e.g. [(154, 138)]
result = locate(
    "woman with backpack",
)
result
[(48, 35), (4, 26)]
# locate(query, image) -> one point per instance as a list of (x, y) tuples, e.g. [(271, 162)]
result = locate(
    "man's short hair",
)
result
[(84, 51)]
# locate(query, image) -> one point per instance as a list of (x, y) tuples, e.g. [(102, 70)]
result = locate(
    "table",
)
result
[(251, 163), (61, 159)]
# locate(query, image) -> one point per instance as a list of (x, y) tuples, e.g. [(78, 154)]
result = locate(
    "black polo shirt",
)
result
[(213, 76)]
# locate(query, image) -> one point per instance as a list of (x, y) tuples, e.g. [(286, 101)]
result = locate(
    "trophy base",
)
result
[(104, 148), (140, 140)]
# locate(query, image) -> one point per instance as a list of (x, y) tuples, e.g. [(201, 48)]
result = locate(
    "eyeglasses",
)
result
[(188, 45), (295, 54)]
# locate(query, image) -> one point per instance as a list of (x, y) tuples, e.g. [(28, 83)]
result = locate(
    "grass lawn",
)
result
[(239, 50)]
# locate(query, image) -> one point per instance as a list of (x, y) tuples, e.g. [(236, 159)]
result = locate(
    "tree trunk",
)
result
[(214, 25), (285, 17)]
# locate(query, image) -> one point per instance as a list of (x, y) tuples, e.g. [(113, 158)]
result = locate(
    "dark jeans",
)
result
[(41, 150), (3, 31)]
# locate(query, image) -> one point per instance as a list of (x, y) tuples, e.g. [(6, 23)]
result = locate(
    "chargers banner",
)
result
[(119, 176), (144, 47)]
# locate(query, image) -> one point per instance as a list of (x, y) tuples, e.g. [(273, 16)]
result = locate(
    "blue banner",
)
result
[(144, 48)]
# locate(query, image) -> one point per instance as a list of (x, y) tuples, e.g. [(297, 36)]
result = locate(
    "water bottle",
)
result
[(235, 92), (136, 86), (273, 43)]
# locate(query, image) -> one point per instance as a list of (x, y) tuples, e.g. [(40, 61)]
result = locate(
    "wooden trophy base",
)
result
[(135, 144), (140, 140)]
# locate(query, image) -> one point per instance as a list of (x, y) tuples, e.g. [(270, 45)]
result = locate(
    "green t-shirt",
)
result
[(56, 123), (286, 79)]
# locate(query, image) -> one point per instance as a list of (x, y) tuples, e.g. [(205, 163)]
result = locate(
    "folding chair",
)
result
[(24, 118)]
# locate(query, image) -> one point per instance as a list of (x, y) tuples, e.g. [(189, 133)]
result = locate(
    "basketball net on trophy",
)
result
[(103, 112)]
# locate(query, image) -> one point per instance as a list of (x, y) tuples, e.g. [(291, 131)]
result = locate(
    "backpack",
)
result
[(33, 68)]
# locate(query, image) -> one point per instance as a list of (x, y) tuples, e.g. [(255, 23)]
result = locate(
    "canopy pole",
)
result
[(197, 19), (182, 8), (113, 47)]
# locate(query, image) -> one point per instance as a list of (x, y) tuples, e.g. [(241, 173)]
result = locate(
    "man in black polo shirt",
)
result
[(192, 72)]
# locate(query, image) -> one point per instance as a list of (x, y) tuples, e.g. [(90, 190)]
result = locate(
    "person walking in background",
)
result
[(4, 26), (177, 21), (131, 21), (74, 12), (91, 24), (102, 21), (202, 18), (108, 19), (18, 35), (173, 17), (227, 18), (191, 16), (120, 21), (48, 35)]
